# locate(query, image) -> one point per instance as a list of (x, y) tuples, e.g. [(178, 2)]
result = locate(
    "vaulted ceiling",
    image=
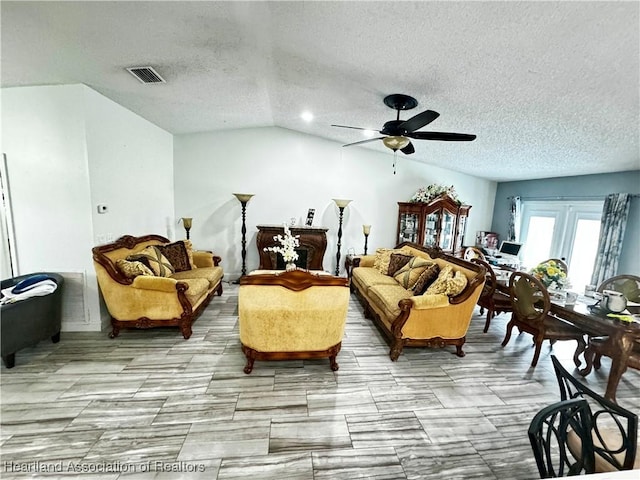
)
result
[(549, 88)]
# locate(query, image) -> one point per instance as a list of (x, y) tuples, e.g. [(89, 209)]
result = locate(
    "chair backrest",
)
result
[(615, 429), (529, 298), (628, 285), (490, 282), (550, 435), (473, 252)]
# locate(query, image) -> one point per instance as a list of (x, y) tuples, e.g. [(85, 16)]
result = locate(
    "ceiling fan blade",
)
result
[(443, 136), (354, 128), (363, 141), (408, 150), (419, 120)]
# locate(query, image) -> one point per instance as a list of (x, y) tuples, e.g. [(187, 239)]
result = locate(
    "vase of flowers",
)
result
[(428, 193), (287, 248), (551, 275)]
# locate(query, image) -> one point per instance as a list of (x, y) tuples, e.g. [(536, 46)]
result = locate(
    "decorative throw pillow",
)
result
[(158, 263), (383, 257), (396, 262), (177, 255), (456, 284), (408, 275), (426, 278), (381, 253), (133, 269), (440, 284), (189, 246)]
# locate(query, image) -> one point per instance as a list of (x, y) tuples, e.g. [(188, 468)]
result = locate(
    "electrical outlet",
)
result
[(103, 208)]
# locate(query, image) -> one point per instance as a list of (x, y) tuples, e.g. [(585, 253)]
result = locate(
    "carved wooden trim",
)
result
[(295, 280), (253, 355)]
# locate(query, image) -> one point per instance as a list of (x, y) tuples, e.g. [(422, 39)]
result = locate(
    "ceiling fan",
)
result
[(398, 133)]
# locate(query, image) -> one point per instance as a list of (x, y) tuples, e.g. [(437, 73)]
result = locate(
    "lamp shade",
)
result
[(341, 203), (186, 222), (395, 143), (366, 229), (244, 197)]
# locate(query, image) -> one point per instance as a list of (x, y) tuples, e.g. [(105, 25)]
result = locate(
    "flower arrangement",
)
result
[(551, 275), (426, 194), (288, 244)]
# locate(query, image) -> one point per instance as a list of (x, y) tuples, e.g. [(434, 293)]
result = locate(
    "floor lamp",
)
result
[(341, 206), (186, 223), (366, 229), (244, 199)]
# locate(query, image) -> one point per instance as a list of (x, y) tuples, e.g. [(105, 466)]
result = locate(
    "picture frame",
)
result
[(310, 215)]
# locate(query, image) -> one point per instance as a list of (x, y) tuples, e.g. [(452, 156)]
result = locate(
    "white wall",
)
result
[(130, 171), (67, 149), (289, 173), (43, 136)]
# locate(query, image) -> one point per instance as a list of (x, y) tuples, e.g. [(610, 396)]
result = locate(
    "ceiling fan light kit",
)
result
[(395, 142), (398, 133)]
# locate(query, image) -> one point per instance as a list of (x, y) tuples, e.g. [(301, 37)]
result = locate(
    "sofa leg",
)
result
[(185, 328), (219, 289), (55, 338), (115, 331), (459, 351), (396, 350), (333, 363), (248, 368), (9, 360)]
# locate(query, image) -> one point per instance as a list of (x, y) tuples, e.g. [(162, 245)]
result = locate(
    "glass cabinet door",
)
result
[(409, 224), (462, 226), (447, 231), (431, 229)]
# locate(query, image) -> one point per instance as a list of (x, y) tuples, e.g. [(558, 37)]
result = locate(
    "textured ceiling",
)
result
[(549, 88)]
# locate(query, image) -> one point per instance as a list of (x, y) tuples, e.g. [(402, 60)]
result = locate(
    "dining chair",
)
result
[(473, 252), (597, 346), (614, 428), (551, 434), (531, 304), (628, 285), (491, 300)]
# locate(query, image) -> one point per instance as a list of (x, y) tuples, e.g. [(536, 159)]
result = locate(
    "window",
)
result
[(568, 230)]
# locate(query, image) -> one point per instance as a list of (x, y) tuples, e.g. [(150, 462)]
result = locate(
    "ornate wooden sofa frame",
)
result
[(147, 302), (422, 321), (291, 316)]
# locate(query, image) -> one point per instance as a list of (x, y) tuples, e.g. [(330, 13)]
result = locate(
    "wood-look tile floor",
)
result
[(149, 404)]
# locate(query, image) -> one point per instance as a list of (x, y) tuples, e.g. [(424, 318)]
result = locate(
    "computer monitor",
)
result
[(510, 248)]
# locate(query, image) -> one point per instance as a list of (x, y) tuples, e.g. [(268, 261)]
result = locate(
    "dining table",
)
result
[(621, 331)]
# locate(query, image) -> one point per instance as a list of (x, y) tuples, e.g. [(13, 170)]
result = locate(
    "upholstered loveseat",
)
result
[(434, 314), (292, 315), (143, 289)]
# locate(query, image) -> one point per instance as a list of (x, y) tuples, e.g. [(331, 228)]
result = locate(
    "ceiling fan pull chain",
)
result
[(395, 157)]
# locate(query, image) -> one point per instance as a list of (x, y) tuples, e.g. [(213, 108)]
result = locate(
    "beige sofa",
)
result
[(411, 319), (140, 297), (292, 315)]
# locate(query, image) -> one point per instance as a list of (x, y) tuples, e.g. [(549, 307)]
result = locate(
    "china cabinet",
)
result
[(439, 223)]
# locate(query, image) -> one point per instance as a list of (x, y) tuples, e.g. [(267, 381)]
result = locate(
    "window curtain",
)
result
[(515, 216), (612, 227)]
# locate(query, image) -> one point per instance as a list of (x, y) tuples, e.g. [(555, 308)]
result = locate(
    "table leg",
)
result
[(589, 355), (621, 346)]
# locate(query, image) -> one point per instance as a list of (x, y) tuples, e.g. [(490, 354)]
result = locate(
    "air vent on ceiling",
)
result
[(146, 74)]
